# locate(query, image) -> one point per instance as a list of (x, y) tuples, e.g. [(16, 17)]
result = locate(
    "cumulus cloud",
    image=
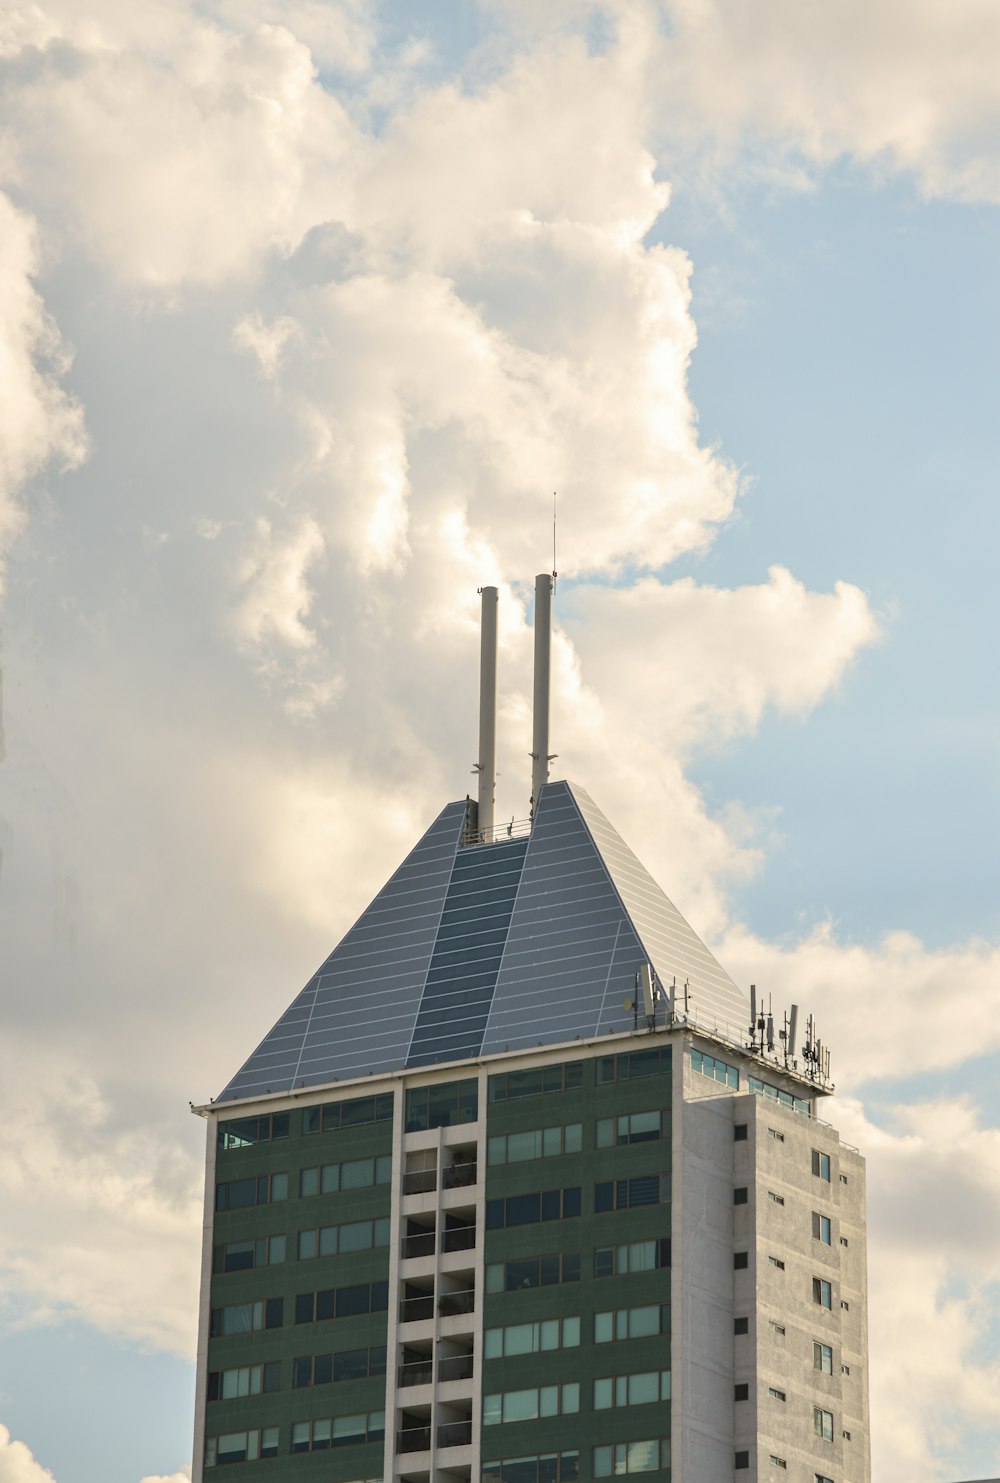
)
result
[(39, 421), (933, 1275), (184, 1476), (905, 85), (17, 1464)]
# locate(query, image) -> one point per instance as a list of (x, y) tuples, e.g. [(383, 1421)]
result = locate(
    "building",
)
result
[(520, 1188)]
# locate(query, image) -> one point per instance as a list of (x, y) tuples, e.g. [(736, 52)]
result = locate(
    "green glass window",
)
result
[(443, 1105)]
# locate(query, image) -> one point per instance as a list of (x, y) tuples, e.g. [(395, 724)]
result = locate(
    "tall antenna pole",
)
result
[(487, 764), (540, 756)]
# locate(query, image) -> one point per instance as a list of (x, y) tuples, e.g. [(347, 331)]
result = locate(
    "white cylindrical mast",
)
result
[(487, 764), (543, 665)]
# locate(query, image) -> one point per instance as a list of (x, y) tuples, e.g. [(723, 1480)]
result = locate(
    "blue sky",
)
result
[(306, 309)]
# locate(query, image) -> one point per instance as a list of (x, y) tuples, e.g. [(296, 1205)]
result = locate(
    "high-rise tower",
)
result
[(521, 1188)]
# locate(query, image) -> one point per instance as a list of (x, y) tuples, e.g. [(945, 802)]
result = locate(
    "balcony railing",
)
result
[(461, 1238), (412, 1310), (421, 1244), (417, 1372), (455, 1367), (450, 1303), (459, 1176), (454, 1433), (419, 1181), (414, 1439), (420, 1371)]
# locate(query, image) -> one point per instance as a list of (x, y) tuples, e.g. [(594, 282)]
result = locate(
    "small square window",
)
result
[(775, 1394), (847, 1436), (843, 1178), (742, 1460), (775, 1327), (741, 1326), (776, 1261), (845, 1305), (741, 1195), (740, 1133), (775, 1198), (741, 1392), (773, 1133), (845, 1369), (843, 1241), (778, 1462), (741, 1259)]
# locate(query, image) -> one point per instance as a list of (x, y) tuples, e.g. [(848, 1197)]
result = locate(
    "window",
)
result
[(632, 1127), (357, 1235), (341, 1302), (529, 1405), (845, 1369), (775, 1394), (442, 1105), (346, 1364), (549, 1467), (238, 1194), (527, 1210), (232, 1385), (531, 1338), (741, 1392), (776, 1261), (625, 1194), (741, 1460), (631, 1323), (843, 1241), (633, 1256), (823, 1358), (821, 1228), (843, 1178), (845, 1305), (244, 1132), (631, 1390), (240, 1256), (741, 1260), (846, 1436), (511, 1086), (356, 1113), (741, 1195), (821, 1165), (778, 1094), (740, 1133), (338, 1431), (533, 1271), (717, 1070), (634, 1064), (241, 1446), (741, 1325), (358, 1174), (823, 1423), (822, 1292), (246, 1318), (540, 1143), (776, 1328), (773, 1133), (631, 1457), (822, 1478), (775, 1199), (778, 1462)]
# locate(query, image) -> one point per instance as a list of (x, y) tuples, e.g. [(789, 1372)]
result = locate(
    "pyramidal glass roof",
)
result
[(472, 950)]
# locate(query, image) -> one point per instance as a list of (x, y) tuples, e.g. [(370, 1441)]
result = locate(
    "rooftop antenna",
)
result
[(540, 754), (486, 767), (554, 572)]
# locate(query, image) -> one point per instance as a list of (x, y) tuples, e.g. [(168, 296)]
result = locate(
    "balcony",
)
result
[(414, 1439), (454, 1434), (459, 1176), (463, 1301)]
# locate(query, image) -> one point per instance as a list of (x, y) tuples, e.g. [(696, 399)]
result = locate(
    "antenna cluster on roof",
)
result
[(815, 1054)]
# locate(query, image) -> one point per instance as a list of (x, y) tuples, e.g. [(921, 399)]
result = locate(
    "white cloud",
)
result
[(184, 1476), (934, 1205), (17, 1465), (904, 85), (39, 422)]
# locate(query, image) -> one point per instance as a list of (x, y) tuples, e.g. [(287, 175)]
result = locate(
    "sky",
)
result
[(305, 311)]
